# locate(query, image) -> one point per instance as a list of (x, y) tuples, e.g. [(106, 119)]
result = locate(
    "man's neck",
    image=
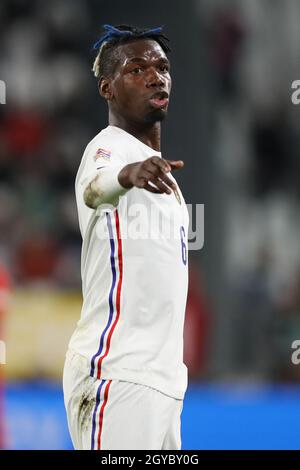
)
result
[(148, 134)]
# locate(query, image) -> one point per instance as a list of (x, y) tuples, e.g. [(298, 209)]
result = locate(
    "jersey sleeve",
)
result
[(101, 167)]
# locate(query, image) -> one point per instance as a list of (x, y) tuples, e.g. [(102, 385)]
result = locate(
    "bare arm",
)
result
[(110, 183)]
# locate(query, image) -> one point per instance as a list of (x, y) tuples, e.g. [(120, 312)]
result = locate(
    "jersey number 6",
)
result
[(183, 245)]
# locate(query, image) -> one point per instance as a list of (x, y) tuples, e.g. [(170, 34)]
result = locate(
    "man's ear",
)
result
[(105, 88)]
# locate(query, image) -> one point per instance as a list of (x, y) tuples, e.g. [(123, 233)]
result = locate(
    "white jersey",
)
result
[(134, 276)]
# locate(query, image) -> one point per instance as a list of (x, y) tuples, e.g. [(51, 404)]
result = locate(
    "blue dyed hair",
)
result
[(106, 61)]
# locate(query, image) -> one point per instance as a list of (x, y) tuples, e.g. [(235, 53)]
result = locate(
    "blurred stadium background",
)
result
[(233, 123)]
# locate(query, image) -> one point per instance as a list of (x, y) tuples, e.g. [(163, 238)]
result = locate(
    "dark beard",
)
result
[(156, 115)]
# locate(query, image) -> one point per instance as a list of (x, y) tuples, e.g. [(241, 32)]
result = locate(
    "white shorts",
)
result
[(118, 415)]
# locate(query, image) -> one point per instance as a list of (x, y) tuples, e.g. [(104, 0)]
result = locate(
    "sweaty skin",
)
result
[(138, 97), (143, 70)]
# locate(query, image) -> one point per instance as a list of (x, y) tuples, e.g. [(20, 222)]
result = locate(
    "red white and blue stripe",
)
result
[(116, 262), (114, 309), (98, 415)]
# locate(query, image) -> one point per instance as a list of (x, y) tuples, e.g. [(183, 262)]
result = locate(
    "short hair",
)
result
[(107, 59)]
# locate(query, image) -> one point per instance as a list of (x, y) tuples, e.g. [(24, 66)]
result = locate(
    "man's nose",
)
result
[(154, 78)]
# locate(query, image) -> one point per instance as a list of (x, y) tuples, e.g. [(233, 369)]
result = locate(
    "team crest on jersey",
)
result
[(102, 153)]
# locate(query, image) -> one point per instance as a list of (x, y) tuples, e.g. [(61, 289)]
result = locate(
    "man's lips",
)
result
[(159, 100)]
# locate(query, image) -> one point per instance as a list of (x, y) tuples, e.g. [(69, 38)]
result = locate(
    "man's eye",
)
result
[(164, 68), (136, 70)]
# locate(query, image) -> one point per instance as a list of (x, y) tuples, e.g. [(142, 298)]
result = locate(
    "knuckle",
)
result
[(141, 182)]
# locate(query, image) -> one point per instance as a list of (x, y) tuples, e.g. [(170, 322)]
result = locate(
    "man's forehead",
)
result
[(142, 49)]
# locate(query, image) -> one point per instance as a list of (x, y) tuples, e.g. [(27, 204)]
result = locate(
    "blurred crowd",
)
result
[(43, 132), (255, 46)]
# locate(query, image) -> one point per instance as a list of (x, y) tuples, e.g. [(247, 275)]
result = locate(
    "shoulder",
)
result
[(106, 144), (103, 150)]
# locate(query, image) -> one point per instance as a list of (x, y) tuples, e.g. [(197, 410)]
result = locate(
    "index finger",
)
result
[(176, 164)]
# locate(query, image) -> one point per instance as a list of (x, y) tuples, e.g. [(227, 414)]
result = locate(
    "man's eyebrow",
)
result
[(141, 60)]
